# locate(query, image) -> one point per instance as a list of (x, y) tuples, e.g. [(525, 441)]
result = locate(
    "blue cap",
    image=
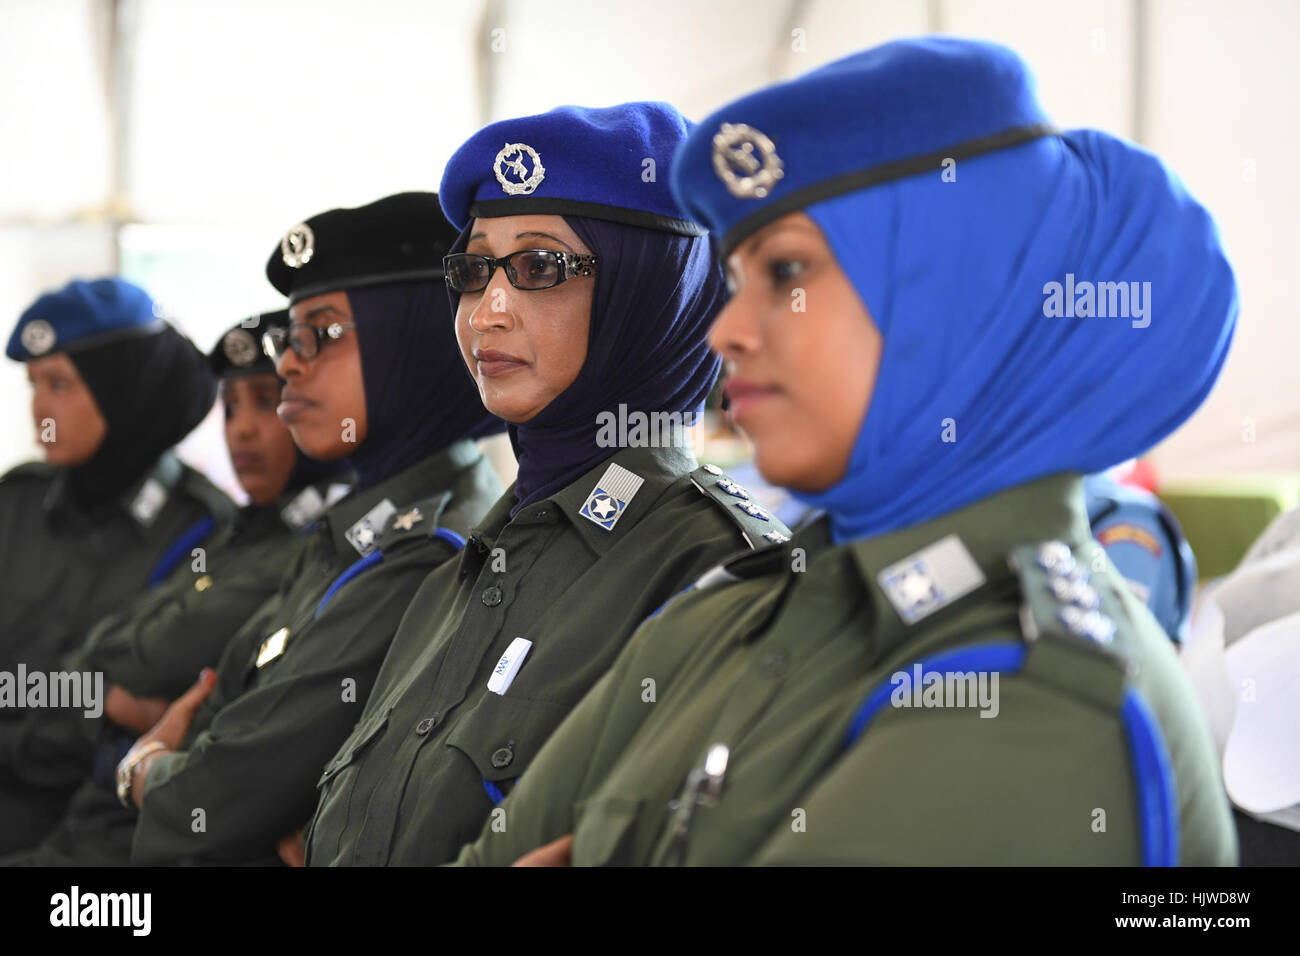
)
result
[(610, 163), (82, 314), (895, 110)]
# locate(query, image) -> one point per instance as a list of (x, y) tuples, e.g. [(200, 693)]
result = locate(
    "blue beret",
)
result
[(83, 314), (572, 161), (892, 111)]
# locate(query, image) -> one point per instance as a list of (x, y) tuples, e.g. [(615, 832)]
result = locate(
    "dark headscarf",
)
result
[(419, 398), (656, 296), (152, 391)]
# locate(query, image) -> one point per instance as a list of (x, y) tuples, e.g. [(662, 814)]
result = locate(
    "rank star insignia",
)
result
[(752, 510), (731, 488), (408, 521), (776, 537), (513, 173), (609, 499)]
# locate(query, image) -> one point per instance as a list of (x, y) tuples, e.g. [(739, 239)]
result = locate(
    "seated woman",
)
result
[(946, 669), (111, 510), (583, 301), (372, 375), (149, 650)]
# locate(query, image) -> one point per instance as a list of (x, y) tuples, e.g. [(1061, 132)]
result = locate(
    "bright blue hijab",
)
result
[(953, 274)]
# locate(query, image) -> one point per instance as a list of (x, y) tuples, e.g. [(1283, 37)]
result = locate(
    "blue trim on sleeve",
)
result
[(1005, 656), (374, 557), (1154, 780), (493, 791), (451, 537), (180, 548), (669, 601), (1152, 767)]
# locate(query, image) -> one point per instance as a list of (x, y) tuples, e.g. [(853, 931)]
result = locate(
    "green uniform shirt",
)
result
[(435, 746), (774, 663), (256, 746), (63, 568), (156, 645)]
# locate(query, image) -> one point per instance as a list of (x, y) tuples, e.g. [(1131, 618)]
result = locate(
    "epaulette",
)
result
[(1071, 619), (758, 526), (418, 521), (216, 501), (30, 469)]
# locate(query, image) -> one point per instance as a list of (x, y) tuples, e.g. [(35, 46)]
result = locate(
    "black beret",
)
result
[(239, 350), (400, 238)]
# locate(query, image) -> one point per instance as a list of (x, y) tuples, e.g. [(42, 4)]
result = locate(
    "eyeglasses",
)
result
[(305, 340), (527, 269)]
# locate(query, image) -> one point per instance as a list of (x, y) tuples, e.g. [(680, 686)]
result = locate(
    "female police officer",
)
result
[(150, 649), (371, 375), (583, 301), (111, 510), (826, 702)]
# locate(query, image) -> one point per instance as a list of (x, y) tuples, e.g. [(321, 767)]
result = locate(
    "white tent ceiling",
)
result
[(178, 138)]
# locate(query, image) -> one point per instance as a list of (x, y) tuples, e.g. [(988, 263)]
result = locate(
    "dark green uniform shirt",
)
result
[(747, 752), (62, 568), (284, 701), (436, 746), (156, 645), (256, 746)]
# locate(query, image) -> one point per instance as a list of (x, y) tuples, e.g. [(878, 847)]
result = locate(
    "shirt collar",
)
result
[(1047, 509), (427, 477), (658, 468)]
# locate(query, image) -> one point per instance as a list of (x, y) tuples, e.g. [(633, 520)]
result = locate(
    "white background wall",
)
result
[(182, 150)]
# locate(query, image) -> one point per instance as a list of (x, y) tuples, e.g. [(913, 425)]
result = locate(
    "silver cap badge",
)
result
[(38, 337), (519, 182), (746, 161), (298, 246), (240, 347)]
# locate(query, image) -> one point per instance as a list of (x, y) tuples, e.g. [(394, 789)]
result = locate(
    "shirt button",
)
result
[(502, 756), (774, 663), (426, 725), (492, 596)]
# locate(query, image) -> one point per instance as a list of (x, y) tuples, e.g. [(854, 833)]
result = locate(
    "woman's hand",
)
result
[(172, 728), (556, 853), (291, 850), (134, 713)]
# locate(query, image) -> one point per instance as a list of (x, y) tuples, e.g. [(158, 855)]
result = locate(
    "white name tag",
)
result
[(503, 674)]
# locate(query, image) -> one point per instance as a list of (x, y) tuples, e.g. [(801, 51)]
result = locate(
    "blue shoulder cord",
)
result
[(180, 548)]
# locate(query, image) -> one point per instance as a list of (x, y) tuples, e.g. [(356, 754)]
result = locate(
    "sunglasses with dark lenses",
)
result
[(305, 340), (527, 269)]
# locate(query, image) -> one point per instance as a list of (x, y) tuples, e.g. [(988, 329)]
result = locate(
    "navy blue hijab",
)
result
[(656, 296), (418, 397)]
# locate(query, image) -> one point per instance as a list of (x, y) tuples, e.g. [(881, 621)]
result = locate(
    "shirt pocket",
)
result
[(605, 834), (502, 734)]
